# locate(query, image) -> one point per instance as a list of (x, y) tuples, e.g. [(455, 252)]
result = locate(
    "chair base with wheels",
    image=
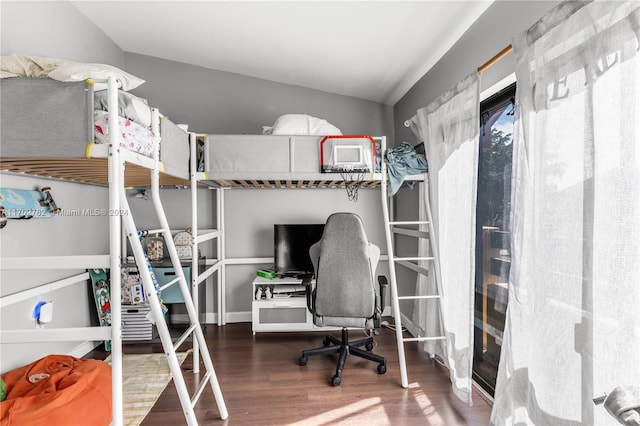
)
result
[(332, 345)]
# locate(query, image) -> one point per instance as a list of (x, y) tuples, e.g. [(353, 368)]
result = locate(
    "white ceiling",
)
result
[(374, 50)]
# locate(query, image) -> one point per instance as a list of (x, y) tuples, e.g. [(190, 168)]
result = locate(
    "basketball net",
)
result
[(352, 182)]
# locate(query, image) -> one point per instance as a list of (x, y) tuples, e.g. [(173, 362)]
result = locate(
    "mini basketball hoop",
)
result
[(353, 180), (353, 157)]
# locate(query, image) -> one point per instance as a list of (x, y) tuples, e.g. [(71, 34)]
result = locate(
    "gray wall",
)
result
[(54, 29), (59, 236), (486, 37), (251, 215), (219, 102)]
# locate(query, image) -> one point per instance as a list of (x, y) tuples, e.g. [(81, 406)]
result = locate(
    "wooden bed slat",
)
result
[(94, 171), (84, 170)]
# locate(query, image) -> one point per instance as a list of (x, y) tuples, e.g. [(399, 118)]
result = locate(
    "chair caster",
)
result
[(326, 342), (382, 368), (369, 347), (302, 361), (335, 381)]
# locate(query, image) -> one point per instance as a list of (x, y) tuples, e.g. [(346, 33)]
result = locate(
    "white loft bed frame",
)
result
[(116, 158), (301, 171), (222, 181), (300, 168)]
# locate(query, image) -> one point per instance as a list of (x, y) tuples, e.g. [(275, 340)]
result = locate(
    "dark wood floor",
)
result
[(263, 384)]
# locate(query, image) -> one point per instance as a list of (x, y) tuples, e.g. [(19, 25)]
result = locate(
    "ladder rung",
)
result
[(184, 336), (434, 296), (170, 283), (422, 339), (400, 259), (201, 387), (410, 232), (154, 231), (413, 267), (208, 236), (409, 222)]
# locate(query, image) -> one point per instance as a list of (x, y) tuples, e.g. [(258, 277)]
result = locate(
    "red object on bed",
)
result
[(58, 390)]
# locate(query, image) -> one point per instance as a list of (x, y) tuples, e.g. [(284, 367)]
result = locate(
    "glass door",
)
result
[(493, 255)]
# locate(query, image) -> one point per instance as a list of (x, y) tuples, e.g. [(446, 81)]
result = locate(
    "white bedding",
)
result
[(301, 124), (18, 65)]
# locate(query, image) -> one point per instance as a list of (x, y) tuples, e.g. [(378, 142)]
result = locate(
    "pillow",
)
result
[(74, 71), (129, 106), (301, 124)]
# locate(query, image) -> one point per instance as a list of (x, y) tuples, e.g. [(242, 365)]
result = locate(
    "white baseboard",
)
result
[(409, 325), (212, 318), (181, 318), (386, 312), (84, 348), (209, 318), (239, 316)]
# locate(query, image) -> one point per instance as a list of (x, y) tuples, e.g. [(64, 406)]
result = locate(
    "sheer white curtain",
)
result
[(573, 321), (449, 127)]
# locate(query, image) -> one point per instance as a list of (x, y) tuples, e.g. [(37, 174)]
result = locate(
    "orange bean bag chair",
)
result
[(58, 390)]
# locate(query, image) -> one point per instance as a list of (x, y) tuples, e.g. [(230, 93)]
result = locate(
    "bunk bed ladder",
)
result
[(425, 231), (151, 290)]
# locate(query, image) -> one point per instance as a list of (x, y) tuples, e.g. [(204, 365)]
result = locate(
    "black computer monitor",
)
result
[(291, 244)]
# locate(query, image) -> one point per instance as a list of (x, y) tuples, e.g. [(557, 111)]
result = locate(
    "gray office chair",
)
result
[(344, 293)]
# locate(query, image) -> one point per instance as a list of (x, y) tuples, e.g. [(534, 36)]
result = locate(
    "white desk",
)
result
[(280, 311)]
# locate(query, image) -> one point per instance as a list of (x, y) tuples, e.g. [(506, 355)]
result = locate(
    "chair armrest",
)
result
[(380, 299), (306, 281), (382, 281)]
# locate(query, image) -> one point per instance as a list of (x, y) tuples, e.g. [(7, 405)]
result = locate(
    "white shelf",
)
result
[(278, 314), (281, 314)]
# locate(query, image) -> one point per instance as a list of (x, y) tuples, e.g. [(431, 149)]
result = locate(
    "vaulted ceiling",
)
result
[(374, 50)]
